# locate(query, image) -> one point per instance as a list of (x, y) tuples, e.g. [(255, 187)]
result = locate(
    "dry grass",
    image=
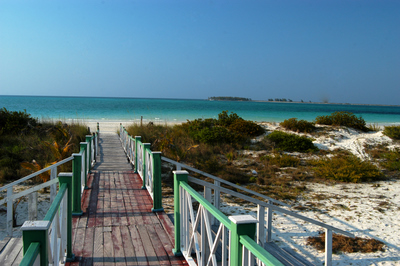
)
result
[(346, 244)]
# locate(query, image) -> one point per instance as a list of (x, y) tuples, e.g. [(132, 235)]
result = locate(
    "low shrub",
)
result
[(226, 120), (392, 132), (346, 168), (16, 122), (246, 128), (342, 118), (279, 160), (48, 142), (391, 160), (291, 142), (341, 243), (298, 125)]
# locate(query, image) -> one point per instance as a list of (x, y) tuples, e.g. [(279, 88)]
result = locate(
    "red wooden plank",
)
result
[(107, 201), (108, 258), (147, 245), (113, 197), (87, 250), (138, 246), (119, 254), (98, 252), (78, 244), (167, 225), (127, 244), (94, 192), (159, 249)]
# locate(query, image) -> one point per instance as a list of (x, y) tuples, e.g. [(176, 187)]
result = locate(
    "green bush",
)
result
[(23, 139), (226, 120), (342, 118), (347, 169), (392, 132), (391, 160), (283, 160), (291, 142), (246, 128), (16, 122), (213, 135), (298, 125)]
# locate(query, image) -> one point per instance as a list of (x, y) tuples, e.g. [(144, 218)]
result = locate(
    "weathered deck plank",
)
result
[(131, 234)]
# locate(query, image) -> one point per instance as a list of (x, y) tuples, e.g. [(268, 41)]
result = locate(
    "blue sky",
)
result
[(334, 50)]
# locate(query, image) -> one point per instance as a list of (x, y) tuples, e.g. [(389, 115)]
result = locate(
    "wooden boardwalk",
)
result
[(118, 226)]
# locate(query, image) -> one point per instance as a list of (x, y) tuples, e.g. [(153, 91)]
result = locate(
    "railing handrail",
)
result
[(56, 203), (32, 255), (28, 191), (207, 205), (268, 205), (36, 173), (223, 181), (260, 253)]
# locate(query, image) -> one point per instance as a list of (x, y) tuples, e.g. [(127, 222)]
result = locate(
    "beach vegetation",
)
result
[(346, 168), (341, 243), (392, 132), (388, 159), (291, 142), (27, 145), (298, 125), (343, 118), (280, 160)]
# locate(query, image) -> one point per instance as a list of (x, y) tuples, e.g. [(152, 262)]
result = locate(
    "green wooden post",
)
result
[(157, 193), (66, 178), (241, 225), (146, 147), (76, 184), (37, 232), (137, 141), (89, 149), (179, 176), (84, 147)]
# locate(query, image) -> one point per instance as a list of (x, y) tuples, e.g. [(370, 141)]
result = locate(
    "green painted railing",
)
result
[(192, 224), (49, 241), (146, 163)]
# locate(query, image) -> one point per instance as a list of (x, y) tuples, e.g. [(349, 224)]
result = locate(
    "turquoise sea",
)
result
[(180, 110)]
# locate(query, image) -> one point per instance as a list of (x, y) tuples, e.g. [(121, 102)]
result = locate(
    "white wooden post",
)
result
[(10, 212), (53, 188), (260, 226), (328, 247), (208, 197), (217, 198), (269, 224), (32, 206)]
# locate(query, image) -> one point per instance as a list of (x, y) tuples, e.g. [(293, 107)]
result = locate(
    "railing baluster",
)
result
[(10, 214), (32, 206), (260, 226), (328, 247)]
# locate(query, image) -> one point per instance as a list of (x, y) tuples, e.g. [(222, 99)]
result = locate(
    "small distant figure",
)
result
[(150, 124)]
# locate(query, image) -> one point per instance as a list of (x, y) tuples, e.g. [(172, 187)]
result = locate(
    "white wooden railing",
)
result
[(31, 192), (147, 164), (265, 209)]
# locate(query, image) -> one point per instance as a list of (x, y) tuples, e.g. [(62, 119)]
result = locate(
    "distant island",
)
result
[(226, 98)]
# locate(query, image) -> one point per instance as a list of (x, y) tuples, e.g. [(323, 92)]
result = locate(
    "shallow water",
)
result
[(180, 110)]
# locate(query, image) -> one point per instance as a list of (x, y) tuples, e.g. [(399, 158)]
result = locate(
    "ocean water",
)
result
[(180, 110)]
